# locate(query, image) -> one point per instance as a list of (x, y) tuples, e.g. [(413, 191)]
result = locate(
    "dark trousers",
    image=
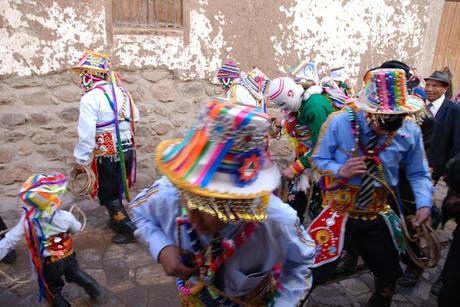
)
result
[(449, 296), (110, 182), (67, 267), (372, 241)]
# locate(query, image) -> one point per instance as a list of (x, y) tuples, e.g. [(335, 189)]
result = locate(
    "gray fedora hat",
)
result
[(440, 76)]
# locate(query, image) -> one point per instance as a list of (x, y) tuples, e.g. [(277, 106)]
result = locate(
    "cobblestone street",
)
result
[(130, 277)]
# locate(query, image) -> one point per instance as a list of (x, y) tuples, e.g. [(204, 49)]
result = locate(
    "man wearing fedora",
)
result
[(360, 151), (212, 220), (446, 136)]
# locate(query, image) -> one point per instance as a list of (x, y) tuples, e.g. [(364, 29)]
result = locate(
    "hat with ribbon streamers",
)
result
[(222, 167), (43, 191)]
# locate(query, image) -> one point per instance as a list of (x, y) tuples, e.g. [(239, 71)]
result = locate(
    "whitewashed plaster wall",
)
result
[(42, 37)]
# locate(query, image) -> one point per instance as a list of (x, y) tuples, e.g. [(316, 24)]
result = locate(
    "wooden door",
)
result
[(448, 43)]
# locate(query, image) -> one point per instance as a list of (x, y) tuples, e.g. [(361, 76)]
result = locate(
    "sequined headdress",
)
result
[(385, 92), (93, 63), (222, 166)]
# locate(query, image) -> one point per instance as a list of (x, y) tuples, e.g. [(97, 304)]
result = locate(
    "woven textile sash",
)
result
[(367, 186)]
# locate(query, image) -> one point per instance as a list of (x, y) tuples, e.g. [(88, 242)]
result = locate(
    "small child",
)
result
[(47, 231)]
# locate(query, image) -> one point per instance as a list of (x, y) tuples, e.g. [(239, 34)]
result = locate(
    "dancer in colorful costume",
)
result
[(361, 150), (244, 88), (212, 220), (106, 139), (47, 231), (305, 112)]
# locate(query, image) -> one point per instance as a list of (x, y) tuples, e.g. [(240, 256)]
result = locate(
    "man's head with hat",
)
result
[(222, 168), (386, 100), (436, 85), (92, 67)]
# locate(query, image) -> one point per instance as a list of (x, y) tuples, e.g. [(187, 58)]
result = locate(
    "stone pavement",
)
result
[(130, 277)]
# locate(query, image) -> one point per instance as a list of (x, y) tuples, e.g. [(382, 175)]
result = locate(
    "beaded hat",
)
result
[(43, 191), (385, 92), (93, 63), (222, 167), (305, 72), (228, 71)]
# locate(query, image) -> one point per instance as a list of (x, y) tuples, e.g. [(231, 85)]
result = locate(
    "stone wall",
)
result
[(38, 123)]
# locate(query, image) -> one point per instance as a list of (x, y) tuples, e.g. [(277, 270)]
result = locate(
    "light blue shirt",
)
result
[(337, 141), (279, 239)]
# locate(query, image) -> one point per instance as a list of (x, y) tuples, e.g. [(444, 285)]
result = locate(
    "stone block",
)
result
[(69, 114), (13, 119), (51, 153), (35, 97), (162, 128), (184, 107), (164, 92), (12, 136), (39, 118), (161, 110), (130, 77), (68, 93), (7, 154), (143, 130), (25, 149), (16, 172), (7, 99), (122, 287), (138, 93), (155, 75), (42, 137), (23, 82), (54, 81), (192, 90), (177, 122)]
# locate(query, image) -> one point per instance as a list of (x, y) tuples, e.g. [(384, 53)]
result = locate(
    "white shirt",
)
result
[(95, 109), (436, 105), (62, 221)]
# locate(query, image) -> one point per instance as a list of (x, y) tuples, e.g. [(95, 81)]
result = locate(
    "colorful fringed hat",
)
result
[(385, 92), (43, 191), (222, 167), (93, 63), (228, 70), (305, 72)]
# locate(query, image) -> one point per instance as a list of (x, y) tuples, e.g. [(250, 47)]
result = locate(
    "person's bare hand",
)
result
[(170, 259), (353, 167), (422, 216), (288, 173), (78, 168)]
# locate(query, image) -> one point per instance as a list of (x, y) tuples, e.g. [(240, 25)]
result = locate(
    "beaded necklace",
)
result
[(370, 154), (208, 268)]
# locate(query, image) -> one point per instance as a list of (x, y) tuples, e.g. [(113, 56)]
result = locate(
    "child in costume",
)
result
[(305, 112), (361, 150), (47, 231), (212, 220), (106, 139)]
